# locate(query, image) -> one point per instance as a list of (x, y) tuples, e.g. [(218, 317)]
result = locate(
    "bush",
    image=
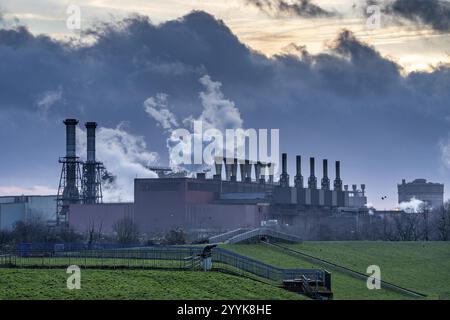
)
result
[(175, 236)]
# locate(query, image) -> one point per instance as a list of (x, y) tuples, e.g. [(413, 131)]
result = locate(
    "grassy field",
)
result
[(423, 267), (134, 284)]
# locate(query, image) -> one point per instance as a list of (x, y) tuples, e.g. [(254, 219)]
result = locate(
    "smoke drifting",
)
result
[(299, 8), (412, 206), (158, 109), (217, 113), (125, 157)]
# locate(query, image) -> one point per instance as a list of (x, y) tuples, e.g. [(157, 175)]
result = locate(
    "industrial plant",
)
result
[(239, 194)]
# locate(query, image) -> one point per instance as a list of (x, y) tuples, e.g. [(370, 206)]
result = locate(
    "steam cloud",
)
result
[(125, 157), (217, 113), (412, 206), (157, 108)]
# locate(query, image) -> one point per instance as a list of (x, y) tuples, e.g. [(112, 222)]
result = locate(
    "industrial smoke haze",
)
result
[(125, 157), (217, 113), (412, 206)]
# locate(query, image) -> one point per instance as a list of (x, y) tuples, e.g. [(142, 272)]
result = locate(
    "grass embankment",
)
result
[(419, 266), (134, 284)]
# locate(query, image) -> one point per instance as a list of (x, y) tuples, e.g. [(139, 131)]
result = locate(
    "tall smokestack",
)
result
[(338, 181), (298, 176), (325, 180), (71, 137), (90, 133), (284, 177), (91, 168), (68, 190), (312, 180)]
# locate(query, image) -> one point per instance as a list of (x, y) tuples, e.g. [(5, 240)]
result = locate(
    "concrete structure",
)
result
[(428, 192), (20, 208)]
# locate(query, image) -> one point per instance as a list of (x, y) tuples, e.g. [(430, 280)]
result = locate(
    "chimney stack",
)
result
[(257, 166), (298, 176), (338, 181), (271, 172), (243, 170), (312, 180), (228, 168), (71, 137), (90, 133), (234, 170), (218, 167), (325, 179), (248, 171), (284, 177)]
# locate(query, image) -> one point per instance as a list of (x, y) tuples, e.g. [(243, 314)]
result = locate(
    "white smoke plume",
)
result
[(217, 113), (125, 156), (47, 100), (157, 107), (412, 206)]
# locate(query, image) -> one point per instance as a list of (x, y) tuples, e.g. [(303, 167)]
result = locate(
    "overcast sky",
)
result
[(377, 99)]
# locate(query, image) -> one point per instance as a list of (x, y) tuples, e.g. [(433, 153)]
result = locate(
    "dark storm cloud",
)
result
[(300, 8), (349, 103), (433, 13)]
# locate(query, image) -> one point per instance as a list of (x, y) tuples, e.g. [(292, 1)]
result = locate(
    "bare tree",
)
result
[(126, 230), (442, 222), (407, 226), (94, 234)]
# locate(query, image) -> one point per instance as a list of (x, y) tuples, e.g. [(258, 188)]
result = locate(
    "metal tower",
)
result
[(70, 179), (92, 170)]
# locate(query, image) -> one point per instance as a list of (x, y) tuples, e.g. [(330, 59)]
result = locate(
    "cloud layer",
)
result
[(299, 8), (348, 103)]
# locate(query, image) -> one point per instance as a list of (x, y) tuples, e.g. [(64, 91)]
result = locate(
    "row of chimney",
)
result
[(231, 166), (312, 180)]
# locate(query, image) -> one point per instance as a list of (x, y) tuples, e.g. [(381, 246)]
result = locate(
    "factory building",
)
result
[(100, 217), (21, 208), (428, 192), (223, 204), (162, 204)]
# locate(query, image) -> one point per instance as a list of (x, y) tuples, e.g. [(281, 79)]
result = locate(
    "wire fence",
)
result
[(154, 257)]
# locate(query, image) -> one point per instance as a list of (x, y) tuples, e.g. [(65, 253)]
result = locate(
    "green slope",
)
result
[(424, 267), (134, 284)]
